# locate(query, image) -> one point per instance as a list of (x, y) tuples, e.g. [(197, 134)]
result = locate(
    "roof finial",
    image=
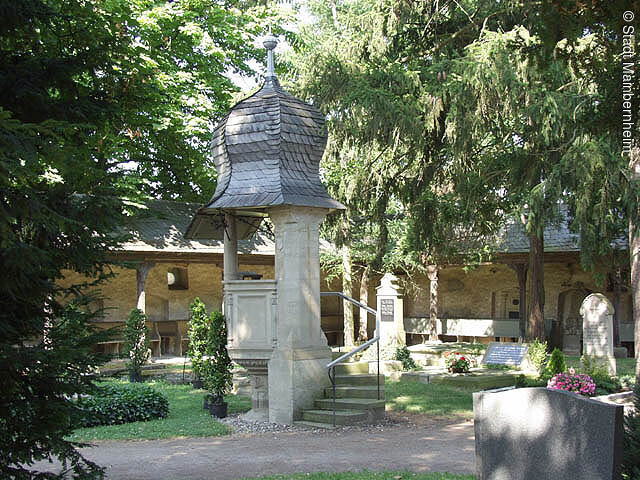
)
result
[(270, 42)]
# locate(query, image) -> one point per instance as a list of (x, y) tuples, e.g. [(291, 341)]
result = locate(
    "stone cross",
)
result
[(597, 330)]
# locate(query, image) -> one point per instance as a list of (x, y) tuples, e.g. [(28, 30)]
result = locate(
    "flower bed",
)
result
[(571, 382)]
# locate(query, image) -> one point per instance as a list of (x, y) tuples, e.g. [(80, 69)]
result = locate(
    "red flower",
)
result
[(464, 359)]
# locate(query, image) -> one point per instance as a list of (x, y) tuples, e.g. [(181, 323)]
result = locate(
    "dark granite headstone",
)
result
[(505, 353), (543, 434)]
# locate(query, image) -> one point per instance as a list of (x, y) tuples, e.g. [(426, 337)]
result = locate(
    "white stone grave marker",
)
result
[(597, 330)]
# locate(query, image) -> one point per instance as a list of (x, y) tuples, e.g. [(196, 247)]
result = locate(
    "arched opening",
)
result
[(568, 335)]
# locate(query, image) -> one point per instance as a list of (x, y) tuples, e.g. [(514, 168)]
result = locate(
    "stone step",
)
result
[(363, 391), (336, 355), (302, 423), (359, 379), (352, 368), (350, 404), (342, 417)]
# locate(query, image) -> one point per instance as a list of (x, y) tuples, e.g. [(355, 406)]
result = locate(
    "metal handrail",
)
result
[(331, 366)]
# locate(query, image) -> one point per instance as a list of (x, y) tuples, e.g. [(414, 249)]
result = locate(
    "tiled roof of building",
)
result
[(557, 237), (161, 225)]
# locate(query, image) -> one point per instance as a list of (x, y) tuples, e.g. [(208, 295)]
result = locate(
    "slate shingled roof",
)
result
[(267, 151), (160, 227), (557, 236)]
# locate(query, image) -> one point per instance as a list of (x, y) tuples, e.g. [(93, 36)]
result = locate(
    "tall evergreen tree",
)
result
[(85, 89)]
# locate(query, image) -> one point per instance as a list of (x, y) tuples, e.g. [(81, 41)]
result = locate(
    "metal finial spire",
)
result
[(270, 42)]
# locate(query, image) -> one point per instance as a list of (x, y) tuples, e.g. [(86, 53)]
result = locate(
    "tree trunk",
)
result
[(363, 333), (432, 273), (616, 277), (634, 251), (536, 292), (521, 273), (141, 281), (347, 286)]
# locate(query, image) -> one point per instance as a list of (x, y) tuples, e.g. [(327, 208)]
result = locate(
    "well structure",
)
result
[(267, 152)]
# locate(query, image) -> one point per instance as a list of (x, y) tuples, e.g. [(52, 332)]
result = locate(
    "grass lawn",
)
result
[(624, 366), (368, 476), (186, 418), (432, 399)]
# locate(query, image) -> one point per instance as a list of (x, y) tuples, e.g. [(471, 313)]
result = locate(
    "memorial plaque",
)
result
[(386, 309), (505, 353)]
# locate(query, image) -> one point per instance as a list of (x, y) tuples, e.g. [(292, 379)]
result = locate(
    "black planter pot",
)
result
[(218, 410), (197, 383), (135, 377)]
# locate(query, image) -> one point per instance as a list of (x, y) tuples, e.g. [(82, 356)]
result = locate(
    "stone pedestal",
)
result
[(390, 308), (597, 330), (250, 308), (297, 368)]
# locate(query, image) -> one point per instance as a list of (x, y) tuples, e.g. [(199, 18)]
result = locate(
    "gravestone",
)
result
[(390, 309), (597, 330), (544, 434), (502, 353)]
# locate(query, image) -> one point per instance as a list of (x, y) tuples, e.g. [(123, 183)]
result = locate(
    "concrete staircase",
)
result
[(356, 399)]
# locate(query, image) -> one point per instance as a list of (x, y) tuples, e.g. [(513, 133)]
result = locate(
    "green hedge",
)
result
[(124, 403)]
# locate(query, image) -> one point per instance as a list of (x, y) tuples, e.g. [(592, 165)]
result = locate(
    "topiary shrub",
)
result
[(136, 343), (404, 355), (216, 367), (122, 403), (198, 333), (557, 363)]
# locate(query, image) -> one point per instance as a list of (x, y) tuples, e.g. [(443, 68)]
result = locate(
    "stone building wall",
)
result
[(487, 292), (492, 292), (162, 303)]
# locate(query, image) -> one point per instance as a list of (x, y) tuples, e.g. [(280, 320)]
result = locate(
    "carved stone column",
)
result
[(432, 273), (297, 369)]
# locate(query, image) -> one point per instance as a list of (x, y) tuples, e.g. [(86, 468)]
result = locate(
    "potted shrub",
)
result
[(136, 343), (198, 333), (216, 367)]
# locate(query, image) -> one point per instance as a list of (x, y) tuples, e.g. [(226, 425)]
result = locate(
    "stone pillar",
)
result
[(142, 270), (521, 272), (432, 273), (297, 369), (390, 308), (230, 248), (597, 330)]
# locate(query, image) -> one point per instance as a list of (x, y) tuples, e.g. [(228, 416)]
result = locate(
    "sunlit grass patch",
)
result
[(438, 400), (186, 418)]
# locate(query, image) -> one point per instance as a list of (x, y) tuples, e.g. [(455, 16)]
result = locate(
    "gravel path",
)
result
[(400, 443)]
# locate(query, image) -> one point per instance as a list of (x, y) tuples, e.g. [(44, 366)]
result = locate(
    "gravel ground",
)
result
[(241, 426), (413, 443)]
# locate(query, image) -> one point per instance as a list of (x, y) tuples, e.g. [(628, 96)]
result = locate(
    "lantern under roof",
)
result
[(267, 152)]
